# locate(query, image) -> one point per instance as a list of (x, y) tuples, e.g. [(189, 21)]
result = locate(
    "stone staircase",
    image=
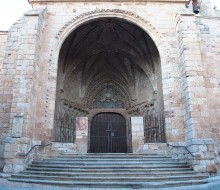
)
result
[(111, 171)]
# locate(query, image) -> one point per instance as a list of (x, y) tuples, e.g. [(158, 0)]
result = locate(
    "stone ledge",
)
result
[(60, 1), (34, 12), (3, 32), (5, 175), (200, 142)]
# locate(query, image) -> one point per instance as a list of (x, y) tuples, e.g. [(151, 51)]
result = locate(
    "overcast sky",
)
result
[(12, 10)]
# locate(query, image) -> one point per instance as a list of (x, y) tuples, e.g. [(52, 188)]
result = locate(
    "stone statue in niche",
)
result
[(108, 98)]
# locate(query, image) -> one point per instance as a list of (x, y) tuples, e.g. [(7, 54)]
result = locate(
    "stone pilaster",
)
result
[(137, 127), (196, 112), (82, 134), (20, 73)]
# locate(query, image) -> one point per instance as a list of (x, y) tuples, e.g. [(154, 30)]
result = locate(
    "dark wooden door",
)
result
[(108, 133)]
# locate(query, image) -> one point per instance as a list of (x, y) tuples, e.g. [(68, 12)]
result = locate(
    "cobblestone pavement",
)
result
[(6, 185)]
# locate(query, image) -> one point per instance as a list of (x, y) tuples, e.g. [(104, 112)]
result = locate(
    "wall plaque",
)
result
[(17, 126)]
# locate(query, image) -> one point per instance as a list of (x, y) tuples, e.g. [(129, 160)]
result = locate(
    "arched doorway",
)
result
[(106, 64), (108, 133)]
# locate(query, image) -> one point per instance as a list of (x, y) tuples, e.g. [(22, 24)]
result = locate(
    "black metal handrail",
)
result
[(38, 145), (181, 146)]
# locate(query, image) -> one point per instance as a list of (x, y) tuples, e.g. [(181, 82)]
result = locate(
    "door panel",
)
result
[(108, 133)]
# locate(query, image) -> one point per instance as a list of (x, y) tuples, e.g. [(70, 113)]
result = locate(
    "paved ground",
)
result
[(6, 185)]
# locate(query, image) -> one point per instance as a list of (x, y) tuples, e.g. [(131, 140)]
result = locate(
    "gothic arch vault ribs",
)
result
[(114, 50)]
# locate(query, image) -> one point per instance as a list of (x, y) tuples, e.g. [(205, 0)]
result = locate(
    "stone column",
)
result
[(82, 134), (137, 128), (196, 113)]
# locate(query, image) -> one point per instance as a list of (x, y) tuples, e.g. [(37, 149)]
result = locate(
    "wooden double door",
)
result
[(108, 133)]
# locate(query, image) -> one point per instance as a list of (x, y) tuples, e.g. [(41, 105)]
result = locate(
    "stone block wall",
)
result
[(19, 77), (189, 53), (3, 39), (196, 97), (210, 53)]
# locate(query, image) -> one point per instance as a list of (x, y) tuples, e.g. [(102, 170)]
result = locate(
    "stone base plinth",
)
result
[(154, 148)]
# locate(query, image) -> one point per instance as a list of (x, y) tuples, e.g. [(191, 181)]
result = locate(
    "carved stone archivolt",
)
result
[(118, 13), (107, 94)]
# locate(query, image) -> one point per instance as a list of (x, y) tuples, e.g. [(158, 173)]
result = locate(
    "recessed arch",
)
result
[(75, 22), (78, 20), (115, 15)]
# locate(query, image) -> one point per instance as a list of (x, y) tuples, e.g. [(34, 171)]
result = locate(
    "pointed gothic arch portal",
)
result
[(105, 64), (108, 133)]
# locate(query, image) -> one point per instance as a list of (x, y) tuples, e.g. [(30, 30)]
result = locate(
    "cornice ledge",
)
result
[(187, 14), (34, 12), (62, 1)]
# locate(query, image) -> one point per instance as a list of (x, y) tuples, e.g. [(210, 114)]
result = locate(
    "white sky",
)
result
[(12, 10)]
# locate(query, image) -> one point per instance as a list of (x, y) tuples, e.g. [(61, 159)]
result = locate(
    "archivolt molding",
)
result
[(73, 23)]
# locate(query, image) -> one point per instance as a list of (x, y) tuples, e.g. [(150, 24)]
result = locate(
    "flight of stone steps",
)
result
[(111, 171)]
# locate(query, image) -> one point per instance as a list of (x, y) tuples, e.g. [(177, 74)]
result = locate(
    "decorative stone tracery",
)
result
[(102, 84)]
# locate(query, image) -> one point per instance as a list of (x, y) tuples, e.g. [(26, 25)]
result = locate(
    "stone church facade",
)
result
[(153, 67)]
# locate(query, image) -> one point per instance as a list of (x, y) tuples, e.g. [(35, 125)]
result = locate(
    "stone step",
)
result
[(113, 166), (110, 155), (109, 159), (111, 173), (112, 178), (111, 170), (110, 162), (132, 170), (120, 184), (112, 159)]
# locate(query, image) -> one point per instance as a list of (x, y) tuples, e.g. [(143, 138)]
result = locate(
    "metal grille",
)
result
[(154, 129), (65, 129), (108, 134)]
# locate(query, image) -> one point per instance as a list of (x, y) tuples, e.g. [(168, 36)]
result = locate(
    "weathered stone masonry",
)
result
[(3, 39), (20, 74), (196, 112), (189, 49)]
